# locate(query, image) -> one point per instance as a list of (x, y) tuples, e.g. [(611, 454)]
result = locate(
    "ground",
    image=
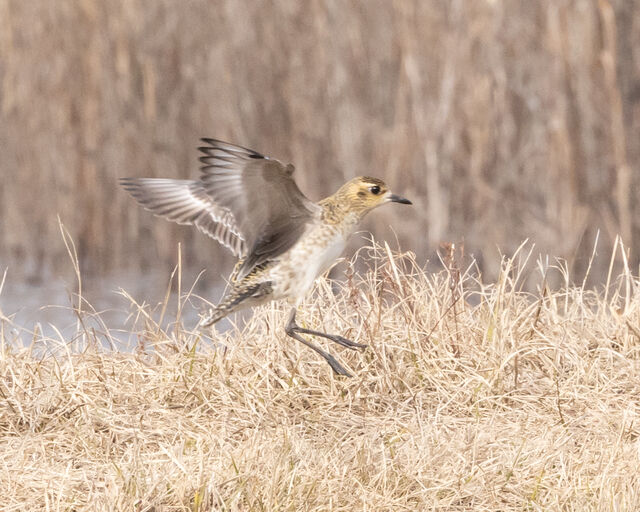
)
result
[(471, 396)]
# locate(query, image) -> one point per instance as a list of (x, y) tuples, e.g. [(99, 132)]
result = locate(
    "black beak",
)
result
[(397, 199)]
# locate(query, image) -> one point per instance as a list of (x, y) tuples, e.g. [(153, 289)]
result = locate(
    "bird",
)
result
[(251, 204)]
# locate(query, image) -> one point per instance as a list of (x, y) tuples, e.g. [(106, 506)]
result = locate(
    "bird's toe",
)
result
[(345, 342), (337, 367)]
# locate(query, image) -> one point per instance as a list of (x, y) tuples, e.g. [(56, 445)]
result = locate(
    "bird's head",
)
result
[(363, 194)]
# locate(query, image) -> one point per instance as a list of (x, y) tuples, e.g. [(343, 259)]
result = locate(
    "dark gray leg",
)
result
[(333, 337), (292, 329)]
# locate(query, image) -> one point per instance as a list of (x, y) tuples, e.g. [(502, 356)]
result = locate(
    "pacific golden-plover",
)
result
[(251, 204)]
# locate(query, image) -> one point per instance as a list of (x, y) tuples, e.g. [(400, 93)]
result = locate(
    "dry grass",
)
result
[(497, 400)]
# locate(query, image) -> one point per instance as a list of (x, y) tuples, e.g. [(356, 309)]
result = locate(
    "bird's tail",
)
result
[(241, 296), (212, 316)]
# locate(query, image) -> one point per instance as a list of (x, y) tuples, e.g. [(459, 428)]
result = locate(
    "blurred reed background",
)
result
[(502, 120)]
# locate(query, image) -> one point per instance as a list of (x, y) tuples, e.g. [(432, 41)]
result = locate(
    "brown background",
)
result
[(502, 120)]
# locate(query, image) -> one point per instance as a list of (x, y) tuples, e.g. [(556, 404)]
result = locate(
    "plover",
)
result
[(251, 204)]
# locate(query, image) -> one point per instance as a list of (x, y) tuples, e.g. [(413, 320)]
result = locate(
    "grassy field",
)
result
[(471, 396)]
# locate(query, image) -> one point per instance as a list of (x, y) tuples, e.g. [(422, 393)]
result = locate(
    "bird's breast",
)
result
[(314, 253)]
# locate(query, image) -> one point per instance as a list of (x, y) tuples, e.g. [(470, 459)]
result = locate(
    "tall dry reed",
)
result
[(501, 120)]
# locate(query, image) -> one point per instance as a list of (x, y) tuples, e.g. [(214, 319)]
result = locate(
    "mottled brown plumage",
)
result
[(251, 204)]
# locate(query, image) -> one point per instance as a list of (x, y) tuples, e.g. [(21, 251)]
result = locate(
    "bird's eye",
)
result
[(375, 190)]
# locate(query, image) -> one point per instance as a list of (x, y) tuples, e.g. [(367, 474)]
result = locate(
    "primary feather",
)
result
[(186, 202), (243, 199)]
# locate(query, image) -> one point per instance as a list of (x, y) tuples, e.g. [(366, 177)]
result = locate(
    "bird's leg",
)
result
[(340, 340), (292, 330)]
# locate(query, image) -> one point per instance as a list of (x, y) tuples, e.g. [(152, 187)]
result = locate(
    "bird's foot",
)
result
[(345, 342), (336, 366), (333, 362), (340, 340)]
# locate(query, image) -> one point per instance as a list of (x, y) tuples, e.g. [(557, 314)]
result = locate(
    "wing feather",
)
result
[(248, 202), (271, 211), (186, 202)]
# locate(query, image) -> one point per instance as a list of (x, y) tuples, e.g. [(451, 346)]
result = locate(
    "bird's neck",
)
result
[(340, 213)]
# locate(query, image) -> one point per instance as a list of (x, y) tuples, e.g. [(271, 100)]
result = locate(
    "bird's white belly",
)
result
[(303, 264)]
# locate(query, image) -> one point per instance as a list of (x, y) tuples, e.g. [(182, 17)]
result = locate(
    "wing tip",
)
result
[(228, 148), (128, 184)]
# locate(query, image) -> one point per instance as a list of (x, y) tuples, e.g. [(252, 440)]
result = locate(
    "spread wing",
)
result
[(270, 210), (186, 202)]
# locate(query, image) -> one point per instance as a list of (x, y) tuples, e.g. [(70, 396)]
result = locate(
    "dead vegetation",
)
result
[(472, 396)]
